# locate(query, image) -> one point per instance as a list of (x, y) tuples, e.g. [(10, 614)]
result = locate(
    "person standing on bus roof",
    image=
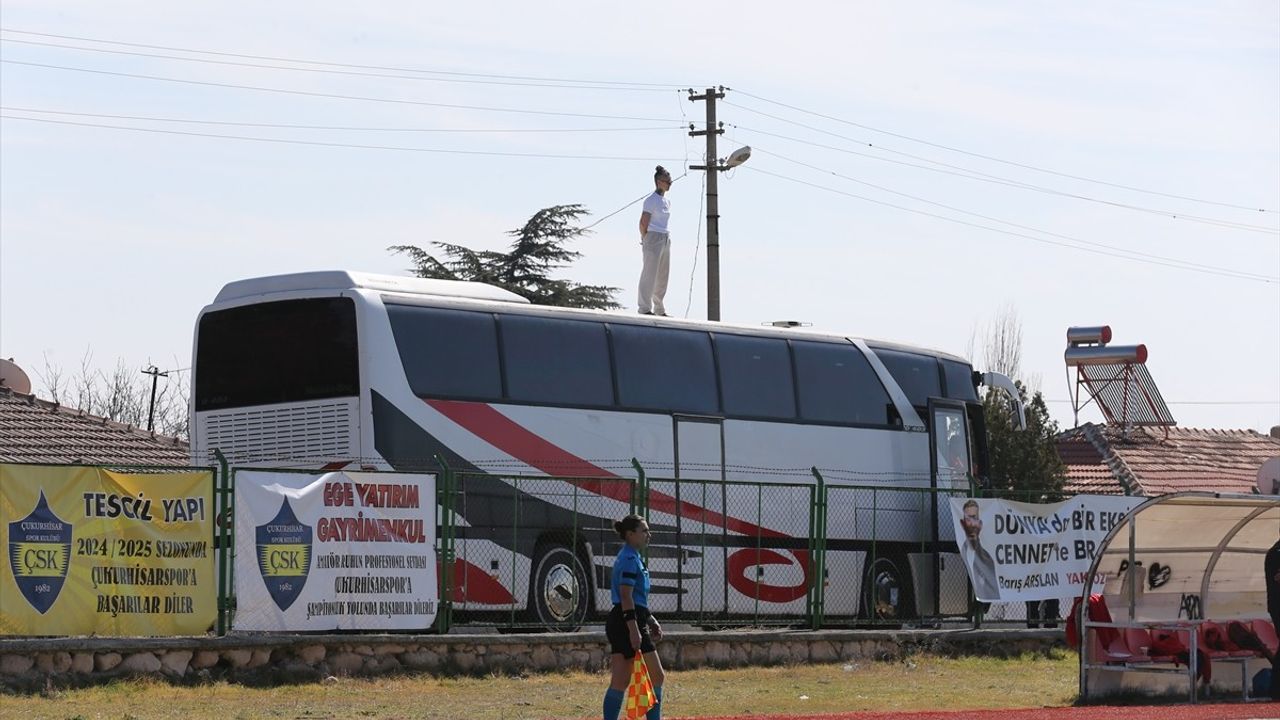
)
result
[(630, 625), (655, 243)]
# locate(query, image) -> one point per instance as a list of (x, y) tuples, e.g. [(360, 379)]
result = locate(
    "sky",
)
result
[(1083, 163)]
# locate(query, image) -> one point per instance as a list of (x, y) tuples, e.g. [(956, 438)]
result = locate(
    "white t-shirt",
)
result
[(659, 208)]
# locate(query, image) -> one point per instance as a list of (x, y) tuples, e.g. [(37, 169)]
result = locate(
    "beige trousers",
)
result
[(653, 276)]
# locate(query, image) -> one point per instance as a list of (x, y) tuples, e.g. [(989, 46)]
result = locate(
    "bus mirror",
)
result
[(1004, 384)]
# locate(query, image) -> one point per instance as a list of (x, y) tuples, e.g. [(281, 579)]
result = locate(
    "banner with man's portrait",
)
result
[(1025, 551)]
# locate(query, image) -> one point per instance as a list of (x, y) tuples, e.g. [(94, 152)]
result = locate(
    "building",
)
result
[(1151, 461), (39, 431)]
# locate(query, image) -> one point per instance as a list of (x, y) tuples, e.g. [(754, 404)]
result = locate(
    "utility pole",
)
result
[(155, 374), (713, 169)]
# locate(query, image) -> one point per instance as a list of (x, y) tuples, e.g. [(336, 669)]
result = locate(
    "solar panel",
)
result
[(1127, 394)]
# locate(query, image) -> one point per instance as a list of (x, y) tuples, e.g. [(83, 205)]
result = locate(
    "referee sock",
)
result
[(655, 712), (613, 703)]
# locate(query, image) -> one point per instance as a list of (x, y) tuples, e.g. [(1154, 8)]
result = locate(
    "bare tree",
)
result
[(122, 394), (1023, 461), (1000, 342)]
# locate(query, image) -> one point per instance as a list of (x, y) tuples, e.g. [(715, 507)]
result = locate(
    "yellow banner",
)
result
[(94, 552)]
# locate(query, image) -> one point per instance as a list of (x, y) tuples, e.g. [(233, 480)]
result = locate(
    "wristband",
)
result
[(628, 615)]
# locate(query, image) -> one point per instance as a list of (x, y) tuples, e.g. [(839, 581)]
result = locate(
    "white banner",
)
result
[(335, 551), (1024, 551)]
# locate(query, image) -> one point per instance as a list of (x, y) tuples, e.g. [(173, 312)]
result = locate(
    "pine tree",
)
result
[(538, 250)]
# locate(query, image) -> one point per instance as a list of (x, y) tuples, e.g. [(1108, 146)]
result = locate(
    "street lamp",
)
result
[(737, 157)]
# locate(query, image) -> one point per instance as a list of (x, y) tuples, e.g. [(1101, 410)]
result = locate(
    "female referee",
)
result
[(631, 625)]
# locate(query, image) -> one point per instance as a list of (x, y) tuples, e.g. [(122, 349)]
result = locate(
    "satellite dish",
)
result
[(1269, 477), (12, 377)]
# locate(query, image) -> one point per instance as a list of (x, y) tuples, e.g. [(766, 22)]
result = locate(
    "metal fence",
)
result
[(778, 552), (774, 549)]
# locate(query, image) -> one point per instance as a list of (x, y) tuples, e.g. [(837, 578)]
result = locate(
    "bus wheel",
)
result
[(886, 594), (558, 593)]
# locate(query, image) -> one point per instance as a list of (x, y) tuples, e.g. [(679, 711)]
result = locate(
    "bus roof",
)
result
[(409, 287), (345, 280)]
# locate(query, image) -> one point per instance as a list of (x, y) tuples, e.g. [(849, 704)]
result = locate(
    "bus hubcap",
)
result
[(560, 592), (885, 593)]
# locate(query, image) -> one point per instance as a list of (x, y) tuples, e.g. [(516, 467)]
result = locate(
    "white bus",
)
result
[(337, 369)]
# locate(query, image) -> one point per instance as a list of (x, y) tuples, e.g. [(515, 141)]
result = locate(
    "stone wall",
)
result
[(36, 663)]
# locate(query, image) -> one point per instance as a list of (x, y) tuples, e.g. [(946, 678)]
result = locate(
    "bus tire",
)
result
[(558, 593), (887, 595)]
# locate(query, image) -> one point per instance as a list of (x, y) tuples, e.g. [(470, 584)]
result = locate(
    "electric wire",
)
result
[(336, 96), (352, 73), (287, 141), (971, 174), (685, 123), (1002, 231), (697, 244), (1137, 253), (270, 58), (993, 158), (624, 207), (345, 128)]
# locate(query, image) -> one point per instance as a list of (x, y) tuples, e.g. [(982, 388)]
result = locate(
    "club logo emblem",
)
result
[(39, 554), (284, 555)]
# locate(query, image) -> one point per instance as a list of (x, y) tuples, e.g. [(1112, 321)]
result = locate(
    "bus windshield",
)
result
[(277, 352)]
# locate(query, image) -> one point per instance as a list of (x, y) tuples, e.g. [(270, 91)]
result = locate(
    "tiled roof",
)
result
[(1148, 463), (1087, 470), (38, 431)]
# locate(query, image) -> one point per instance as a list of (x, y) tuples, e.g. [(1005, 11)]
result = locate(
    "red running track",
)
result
[(1255, 711)]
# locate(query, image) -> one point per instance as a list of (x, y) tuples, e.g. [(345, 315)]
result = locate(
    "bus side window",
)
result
[(917, 375), (664, 369), (755, 377), (837, 385), (556, 362), (959, 377), (447, 353)]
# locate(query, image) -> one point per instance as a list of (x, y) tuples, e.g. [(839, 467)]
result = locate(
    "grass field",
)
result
[(917, 683)]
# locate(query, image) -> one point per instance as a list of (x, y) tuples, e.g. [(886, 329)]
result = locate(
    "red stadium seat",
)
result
[(1214, 642), (1116, 652), (1138, 642), (1266, 632)]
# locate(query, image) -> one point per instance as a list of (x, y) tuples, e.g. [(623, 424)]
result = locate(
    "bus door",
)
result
[(700, 529), (951, 463)]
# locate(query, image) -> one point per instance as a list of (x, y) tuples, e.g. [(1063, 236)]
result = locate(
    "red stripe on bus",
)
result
[(473, 584), (510, 437)]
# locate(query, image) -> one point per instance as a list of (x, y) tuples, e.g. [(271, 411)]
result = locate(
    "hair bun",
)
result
[(617, 526), (659, 169)]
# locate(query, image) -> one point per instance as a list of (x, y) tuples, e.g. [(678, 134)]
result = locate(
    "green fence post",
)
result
[(975, 607), (640, 491), (759, 544), (222, 506), (445, 490), (818, 531), (875, 517), (515, 543), (926, 496), (640, 497), (573, 548), (810, 597)]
